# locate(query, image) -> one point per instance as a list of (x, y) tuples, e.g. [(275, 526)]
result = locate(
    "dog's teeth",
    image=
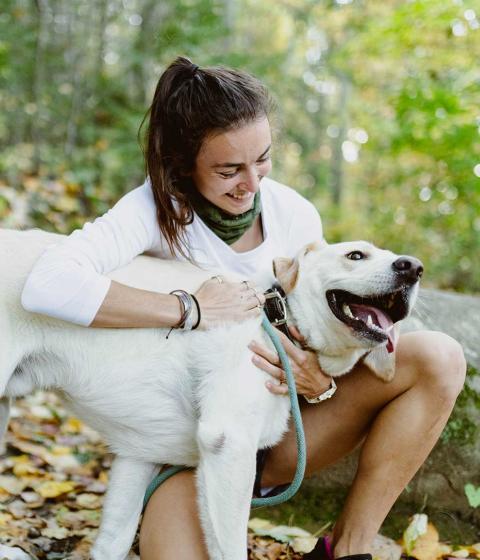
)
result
[(369, 321), (347, 311)]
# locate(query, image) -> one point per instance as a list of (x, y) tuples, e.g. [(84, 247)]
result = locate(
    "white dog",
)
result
[(195, 398)]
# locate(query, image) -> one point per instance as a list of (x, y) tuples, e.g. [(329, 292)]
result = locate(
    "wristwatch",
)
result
[(325, 395)]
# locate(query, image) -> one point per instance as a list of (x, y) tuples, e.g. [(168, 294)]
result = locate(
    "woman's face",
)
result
[(231, 164)]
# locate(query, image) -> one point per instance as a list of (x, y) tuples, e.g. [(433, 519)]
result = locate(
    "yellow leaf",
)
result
[(89, 501), (55, 532), (303, 544), (4, 519), (23, 466), (256, 523), (53, 489), (444, 549), (20, 459), (12, 485), (461, 553), (61, 450), (427, 545), (33, 499), (103, 477), (72, 426)]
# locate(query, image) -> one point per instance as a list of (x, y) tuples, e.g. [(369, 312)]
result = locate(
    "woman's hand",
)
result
[(222, 301), (309, 378)]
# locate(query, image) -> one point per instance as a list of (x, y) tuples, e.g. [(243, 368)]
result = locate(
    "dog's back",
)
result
[(18, 252)]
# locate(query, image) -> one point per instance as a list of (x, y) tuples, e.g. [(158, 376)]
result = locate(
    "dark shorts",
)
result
[(257, 493)]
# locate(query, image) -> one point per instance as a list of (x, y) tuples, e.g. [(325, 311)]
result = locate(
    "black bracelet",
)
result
[(198, 312)]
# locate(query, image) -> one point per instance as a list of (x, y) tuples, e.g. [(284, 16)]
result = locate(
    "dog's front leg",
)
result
[(225, 478), (122, 507)]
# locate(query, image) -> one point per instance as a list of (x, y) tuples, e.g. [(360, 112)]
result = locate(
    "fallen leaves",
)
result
[(52, 481), (55, 474), (422, 541), (53, 489), (298, 539)]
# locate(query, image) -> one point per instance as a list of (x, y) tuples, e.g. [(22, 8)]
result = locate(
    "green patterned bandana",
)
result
[(228, 227)]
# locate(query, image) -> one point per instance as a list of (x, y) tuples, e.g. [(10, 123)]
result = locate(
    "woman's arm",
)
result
[(69, 280), (124, 306)]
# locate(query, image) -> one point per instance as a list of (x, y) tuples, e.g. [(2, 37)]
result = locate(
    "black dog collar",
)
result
[(276, 309)]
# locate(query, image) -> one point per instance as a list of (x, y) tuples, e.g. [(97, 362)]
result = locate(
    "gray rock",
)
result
[(455, 314), (455, 461)]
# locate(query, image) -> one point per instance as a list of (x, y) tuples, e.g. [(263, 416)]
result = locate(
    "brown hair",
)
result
[(189, 104)]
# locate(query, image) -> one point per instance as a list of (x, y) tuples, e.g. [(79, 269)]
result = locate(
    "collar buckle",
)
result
[(276, 309), (275, 306)]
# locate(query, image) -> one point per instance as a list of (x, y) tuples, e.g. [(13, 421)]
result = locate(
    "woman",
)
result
[(207, 198)]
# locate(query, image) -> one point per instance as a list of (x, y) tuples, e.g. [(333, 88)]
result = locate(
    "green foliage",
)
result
[(473, 495), (377, 119), (463, 427)]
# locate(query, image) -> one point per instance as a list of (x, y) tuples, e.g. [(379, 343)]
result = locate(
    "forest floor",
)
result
[(55, 472)]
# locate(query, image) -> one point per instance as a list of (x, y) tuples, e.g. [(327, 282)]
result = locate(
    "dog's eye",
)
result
[(356, 256)]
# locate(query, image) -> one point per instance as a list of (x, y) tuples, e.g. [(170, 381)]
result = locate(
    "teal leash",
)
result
[(300, 436)]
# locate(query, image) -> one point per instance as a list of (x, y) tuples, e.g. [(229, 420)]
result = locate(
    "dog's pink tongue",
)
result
[(379, 318)]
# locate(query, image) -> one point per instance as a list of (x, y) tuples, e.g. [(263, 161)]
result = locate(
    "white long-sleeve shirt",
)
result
[(69, 280)]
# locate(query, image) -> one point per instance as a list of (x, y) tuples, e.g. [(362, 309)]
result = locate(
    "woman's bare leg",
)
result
[(399, 423), (171, 527)]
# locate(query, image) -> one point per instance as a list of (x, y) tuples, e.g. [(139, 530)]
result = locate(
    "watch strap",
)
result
[(325, 395)]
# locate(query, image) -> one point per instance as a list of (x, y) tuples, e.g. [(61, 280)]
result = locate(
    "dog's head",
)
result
[(346, 299)]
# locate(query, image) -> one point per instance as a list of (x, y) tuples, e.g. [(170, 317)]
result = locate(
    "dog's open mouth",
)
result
[(370, 316)]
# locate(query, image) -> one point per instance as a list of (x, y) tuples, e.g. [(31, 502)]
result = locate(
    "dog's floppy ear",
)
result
[(381, 362), (285, 270)]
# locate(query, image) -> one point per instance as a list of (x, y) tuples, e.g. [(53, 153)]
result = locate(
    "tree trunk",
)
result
[(38, 82), (336, 177)]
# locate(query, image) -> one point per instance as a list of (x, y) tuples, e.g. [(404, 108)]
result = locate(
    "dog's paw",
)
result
[(13, 553)]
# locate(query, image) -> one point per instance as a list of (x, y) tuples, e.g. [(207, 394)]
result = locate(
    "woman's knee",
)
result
[(438, 361), (171, 526)]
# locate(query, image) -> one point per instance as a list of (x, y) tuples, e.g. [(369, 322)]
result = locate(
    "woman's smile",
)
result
[(231, 164)]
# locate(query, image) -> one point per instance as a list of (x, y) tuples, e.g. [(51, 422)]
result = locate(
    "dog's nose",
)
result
[(410, 268)]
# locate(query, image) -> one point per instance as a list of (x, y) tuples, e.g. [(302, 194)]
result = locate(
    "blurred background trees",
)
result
[(378, 119)]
